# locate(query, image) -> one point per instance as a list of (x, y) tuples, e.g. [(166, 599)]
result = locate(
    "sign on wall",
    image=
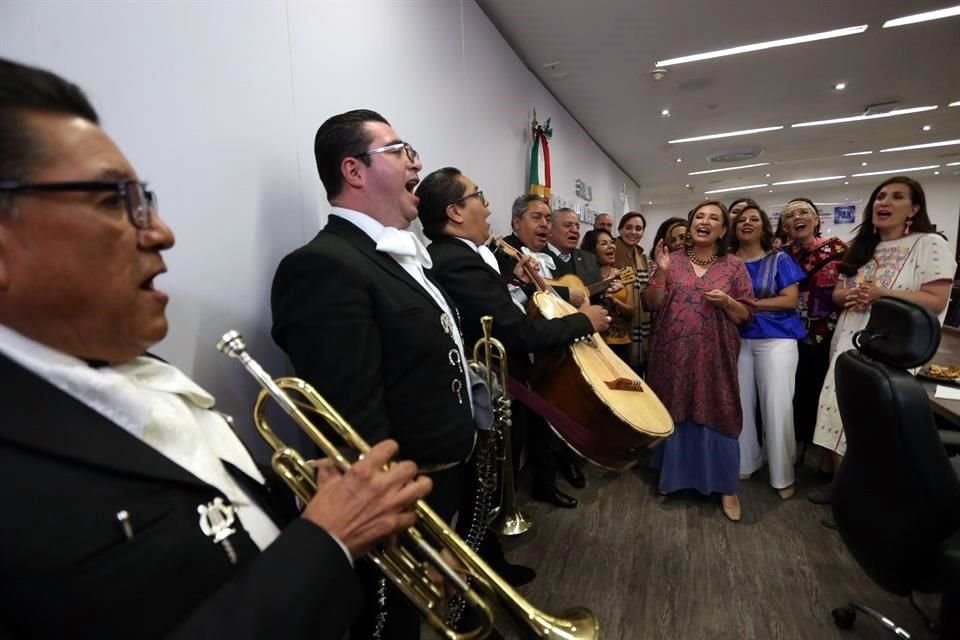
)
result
[(844, 215)]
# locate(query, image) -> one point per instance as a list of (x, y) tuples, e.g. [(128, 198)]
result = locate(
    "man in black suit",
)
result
[(562, 247), (358, 302), (131, 508), (454, 215)]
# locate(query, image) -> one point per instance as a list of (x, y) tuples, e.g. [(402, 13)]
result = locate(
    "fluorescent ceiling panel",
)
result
[(875, 116), (926, 16), (760, 46), (906, 170), (745, 166), (729, 134), (743, 188)]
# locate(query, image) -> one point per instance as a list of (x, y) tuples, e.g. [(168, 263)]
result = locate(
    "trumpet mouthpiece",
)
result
[(231, 344)]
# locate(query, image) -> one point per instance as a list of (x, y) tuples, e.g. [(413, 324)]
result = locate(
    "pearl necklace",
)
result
[(703, 263)]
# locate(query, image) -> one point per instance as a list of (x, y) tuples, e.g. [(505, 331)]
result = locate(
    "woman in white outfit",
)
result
[(767, 365), (895, 254)]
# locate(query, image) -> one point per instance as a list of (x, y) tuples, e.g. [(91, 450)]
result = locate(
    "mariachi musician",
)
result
[(454, 215), (562, 247)]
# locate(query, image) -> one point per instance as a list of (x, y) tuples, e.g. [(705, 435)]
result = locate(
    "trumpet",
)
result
[(481, 588), (488, 352)]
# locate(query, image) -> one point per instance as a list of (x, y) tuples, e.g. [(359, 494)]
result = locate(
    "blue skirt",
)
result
[(697, 457)]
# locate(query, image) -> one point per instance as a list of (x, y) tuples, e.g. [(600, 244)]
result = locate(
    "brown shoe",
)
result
[(731, 509), (787, 492)]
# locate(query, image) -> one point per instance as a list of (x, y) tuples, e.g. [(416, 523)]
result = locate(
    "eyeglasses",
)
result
[(412, 154), (137, 200), (478, 194)]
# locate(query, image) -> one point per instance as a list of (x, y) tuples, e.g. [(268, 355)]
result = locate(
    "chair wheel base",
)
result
[(844, 617)]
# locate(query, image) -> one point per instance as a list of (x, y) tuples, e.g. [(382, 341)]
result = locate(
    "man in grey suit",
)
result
[(562, 245)]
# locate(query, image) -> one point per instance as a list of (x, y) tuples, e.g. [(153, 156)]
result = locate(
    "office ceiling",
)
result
[(596, 58)]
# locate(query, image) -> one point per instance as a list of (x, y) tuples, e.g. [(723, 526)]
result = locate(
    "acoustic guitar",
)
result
[(613, 415)]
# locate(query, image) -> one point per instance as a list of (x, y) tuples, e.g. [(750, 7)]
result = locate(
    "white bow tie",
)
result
[(545, 260), (403, 244)]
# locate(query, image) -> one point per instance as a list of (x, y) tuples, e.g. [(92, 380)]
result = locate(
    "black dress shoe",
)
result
[(554, 496), (573, 475)]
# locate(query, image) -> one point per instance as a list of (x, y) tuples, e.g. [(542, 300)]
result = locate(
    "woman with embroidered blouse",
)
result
[(698, 293), (768, 351), (895, 254), (819, 258)]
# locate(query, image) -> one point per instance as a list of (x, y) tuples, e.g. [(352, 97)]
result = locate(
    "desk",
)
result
[(947, 354)]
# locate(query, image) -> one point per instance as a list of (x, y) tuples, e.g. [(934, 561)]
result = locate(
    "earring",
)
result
[(906, 226), (875, 232)]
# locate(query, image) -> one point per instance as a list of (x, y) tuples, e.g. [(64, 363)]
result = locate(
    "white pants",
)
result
[(767, 370)]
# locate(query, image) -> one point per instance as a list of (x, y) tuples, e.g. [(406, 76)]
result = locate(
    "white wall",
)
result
[(943, 205), (216, 104)]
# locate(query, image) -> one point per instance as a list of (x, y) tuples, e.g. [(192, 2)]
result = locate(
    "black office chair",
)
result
[(896, 497)]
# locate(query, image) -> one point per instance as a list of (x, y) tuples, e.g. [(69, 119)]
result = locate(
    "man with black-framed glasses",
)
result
[(131, 506), (363, 320), (454, 215)]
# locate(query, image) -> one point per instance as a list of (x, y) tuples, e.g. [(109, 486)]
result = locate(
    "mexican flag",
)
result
[(540, 157)]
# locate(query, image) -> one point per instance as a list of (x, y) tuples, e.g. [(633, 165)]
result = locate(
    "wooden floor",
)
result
[(652, 567)]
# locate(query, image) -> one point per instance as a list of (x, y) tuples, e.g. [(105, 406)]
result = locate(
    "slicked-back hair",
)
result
[(861, 248), (766, 240), (436, 192), (25, 90), (342, 136), (723, 243), (520, 205)]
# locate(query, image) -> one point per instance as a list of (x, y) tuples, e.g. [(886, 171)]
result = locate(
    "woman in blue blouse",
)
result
[(768, 351)]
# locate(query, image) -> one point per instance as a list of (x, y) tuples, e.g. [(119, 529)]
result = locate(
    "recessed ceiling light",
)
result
[(679, 159), (954, 104), (650, 202), (939, 14), (559, 74), (840, 86), (686, 186), (846, 182), (927, 145), (863, 164), (665, 113), (926, 127), (743, 188), (936, 173), (771, 191), (906, 170), (729, 134), (859, 153), (551, 65), (874, 116), (760, 46), (802, 180), (744, 166), (766, 175)]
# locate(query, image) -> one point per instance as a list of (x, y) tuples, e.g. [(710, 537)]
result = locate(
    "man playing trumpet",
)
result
[(131, 507)]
